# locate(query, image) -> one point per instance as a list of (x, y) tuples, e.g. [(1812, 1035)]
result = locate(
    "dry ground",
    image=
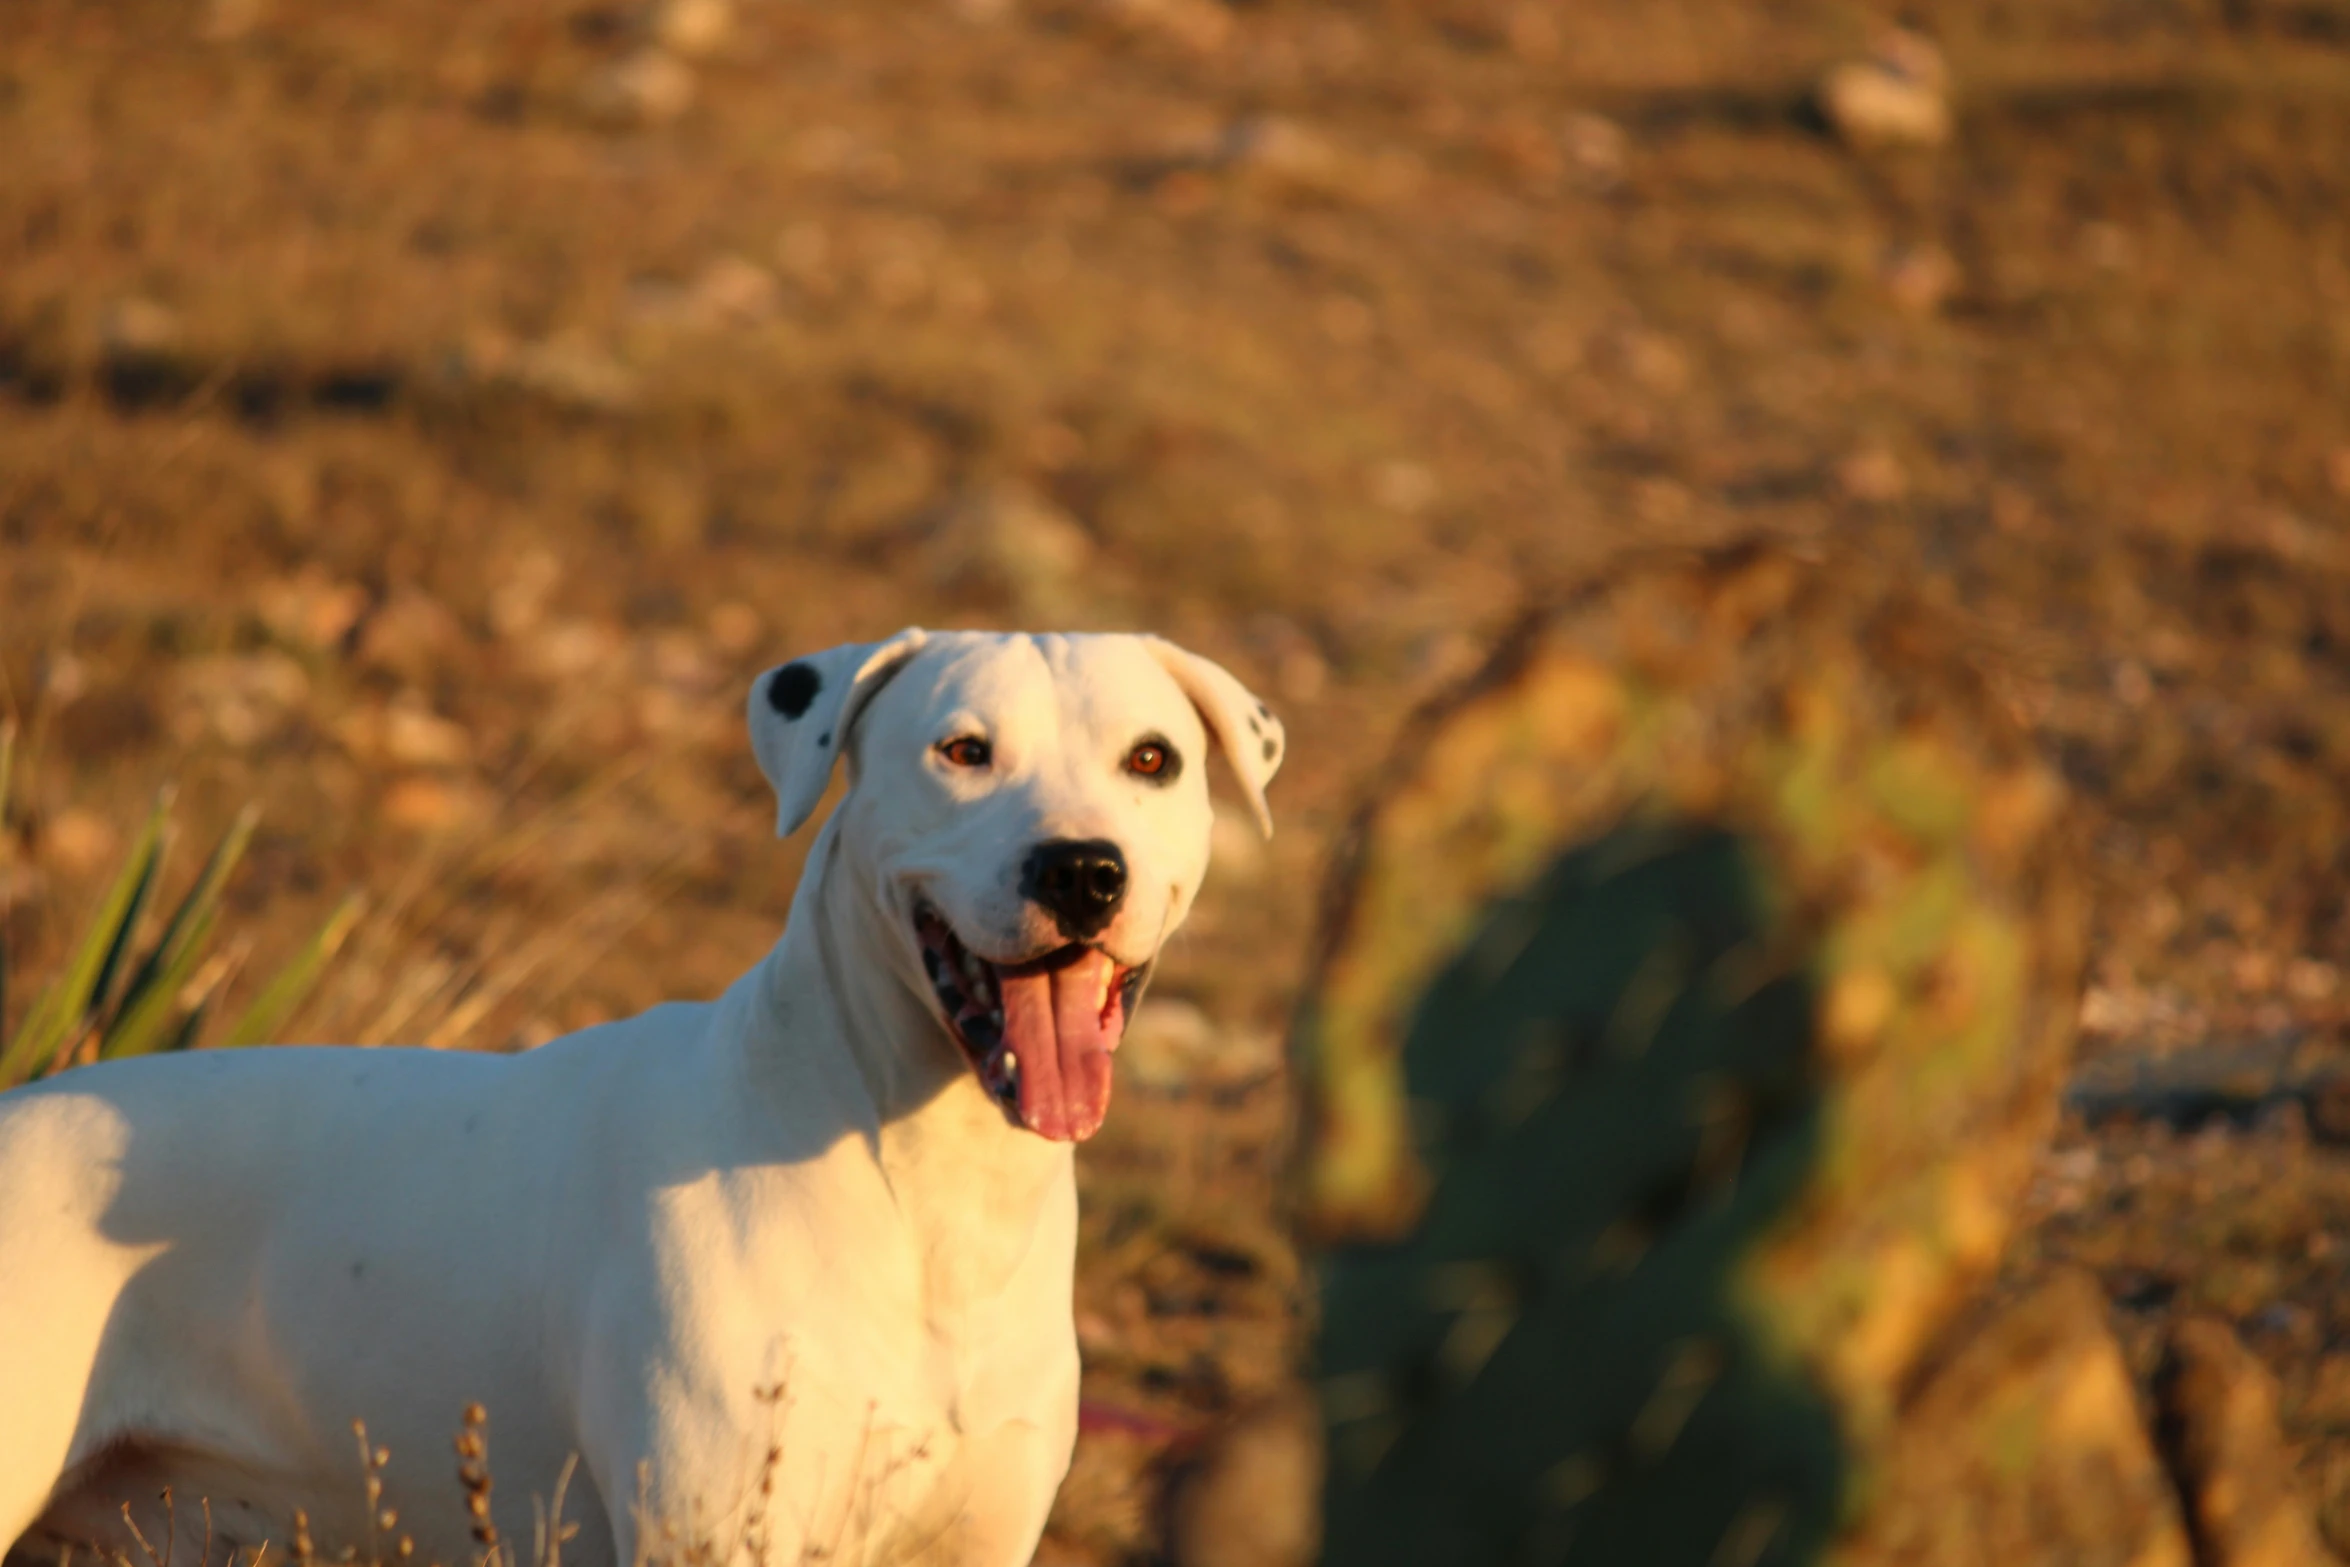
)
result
[(423, 418)]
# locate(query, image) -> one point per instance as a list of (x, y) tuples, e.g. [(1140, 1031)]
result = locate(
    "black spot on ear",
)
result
[(795, 685), (1256, 725), (824, 738), (1271, 750), (1263, 711)]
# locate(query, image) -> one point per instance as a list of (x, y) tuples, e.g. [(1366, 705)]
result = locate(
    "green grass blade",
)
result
[(60, 1011), (184, 1036), (102, 998), (202, 896), (292, 984), (148, 1021)]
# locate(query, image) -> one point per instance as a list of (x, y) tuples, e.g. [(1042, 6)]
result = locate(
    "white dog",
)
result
[(789, 1272)]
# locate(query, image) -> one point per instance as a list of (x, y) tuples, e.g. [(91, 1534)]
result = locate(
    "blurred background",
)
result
[(419, 420)]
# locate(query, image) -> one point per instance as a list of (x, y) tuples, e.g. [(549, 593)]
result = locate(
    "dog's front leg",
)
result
[(684, 1466)]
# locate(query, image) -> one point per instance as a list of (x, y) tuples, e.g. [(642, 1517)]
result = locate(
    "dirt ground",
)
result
[(422, 419)]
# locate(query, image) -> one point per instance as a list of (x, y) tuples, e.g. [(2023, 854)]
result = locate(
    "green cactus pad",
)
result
[(1616, 1094), (1694, 997)]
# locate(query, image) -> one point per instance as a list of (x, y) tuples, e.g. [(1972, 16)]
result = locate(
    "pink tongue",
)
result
[(1054, 1022)]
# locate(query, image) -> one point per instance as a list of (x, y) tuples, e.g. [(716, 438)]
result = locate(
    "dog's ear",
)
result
[(1244, 728), (801, 712)]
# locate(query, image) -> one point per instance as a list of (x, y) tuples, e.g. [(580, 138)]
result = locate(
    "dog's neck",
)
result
[(960, 1173)]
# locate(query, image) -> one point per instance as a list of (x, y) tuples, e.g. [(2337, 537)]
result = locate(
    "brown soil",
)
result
[(403, 426)]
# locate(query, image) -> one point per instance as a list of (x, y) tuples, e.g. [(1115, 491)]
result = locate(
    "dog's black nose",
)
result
[(1079, 882)]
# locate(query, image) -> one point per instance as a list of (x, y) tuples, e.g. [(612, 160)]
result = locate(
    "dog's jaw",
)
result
[(1066, 1008)]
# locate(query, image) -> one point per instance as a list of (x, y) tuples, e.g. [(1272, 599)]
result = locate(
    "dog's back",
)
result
[(178, 1235)]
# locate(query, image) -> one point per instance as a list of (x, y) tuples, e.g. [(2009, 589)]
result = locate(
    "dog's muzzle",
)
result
[(1038, 1033)]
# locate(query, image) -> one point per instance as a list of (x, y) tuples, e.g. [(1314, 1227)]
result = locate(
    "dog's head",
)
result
[(1031, 814)]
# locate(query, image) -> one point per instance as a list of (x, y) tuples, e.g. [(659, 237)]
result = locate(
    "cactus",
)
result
[(1693, 1000)]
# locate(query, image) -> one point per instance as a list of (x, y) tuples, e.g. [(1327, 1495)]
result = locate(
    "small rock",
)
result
[(430, 805), (226, 21), (2221, 1405), (2283, 1319), (569, 370), (1920, 277), (679, 661), (2338, 472), (1202, 26), (1403, 487), (78, 841), (21, 885), (416, 736), (1173, 1046), (312, 609), (2132, 685), (1300, 671), (570, 647), (729, 292), (827, 149), (735, 628), (1445, 655), (1236, 847), (519, 603), (406, 732), (1897, 97), (138, 328), (1253, 1498), (804, 251), (1873, 476), (2107, 247), (241, 699), (1280, 148), (64, 677), (1596, 150), (961, 293), (1054, 447), (1524, 150), (1347, 321), (1004, 539), (1654, 361), (2311, 980), (652, 87), (409, 635), (693, 29), (732, 289), (1531, 30)]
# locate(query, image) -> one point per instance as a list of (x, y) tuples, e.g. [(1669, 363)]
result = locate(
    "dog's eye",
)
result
[(967, 751), (1154, 759)]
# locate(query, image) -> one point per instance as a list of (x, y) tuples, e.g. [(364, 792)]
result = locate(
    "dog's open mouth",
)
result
[(1039, 1033)]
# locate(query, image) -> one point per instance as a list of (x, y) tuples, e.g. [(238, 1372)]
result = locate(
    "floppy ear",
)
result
[(1245, 729), (801, 712)]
